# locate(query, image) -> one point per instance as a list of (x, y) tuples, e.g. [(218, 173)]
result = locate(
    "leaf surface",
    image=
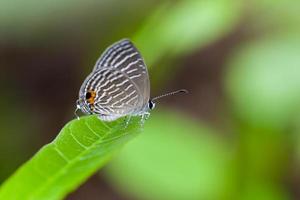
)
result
[(81, 148)]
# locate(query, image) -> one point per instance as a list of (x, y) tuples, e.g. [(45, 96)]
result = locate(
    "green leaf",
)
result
[(80, 149)]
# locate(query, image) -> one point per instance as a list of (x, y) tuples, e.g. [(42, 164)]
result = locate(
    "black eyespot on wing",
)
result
[(88, 95)]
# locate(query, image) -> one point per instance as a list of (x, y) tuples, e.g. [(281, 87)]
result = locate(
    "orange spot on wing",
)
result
[(91, 100)]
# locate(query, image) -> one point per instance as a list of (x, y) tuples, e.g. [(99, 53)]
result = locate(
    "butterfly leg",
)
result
[(145, 116)]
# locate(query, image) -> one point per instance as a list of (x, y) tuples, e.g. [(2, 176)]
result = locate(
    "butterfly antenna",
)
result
[(170, 93)]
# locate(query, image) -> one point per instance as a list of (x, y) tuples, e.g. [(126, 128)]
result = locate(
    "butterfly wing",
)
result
[(124, 57), (115, 94)]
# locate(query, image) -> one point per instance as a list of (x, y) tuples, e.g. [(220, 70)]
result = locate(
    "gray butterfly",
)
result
[(118, 85)]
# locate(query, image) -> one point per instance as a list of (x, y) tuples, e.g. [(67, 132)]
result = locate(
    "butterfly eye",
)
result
[(151, 105)]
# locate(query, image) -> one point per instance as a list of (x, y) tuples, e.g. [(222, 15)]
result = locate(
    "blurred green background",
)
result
[(236, 136)]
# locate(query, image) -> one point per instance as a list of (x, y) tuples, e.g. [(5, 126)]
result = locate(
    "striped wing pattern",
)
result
[(125, 57), (120, 81), (116, 94), (114, 51), (124, 60)]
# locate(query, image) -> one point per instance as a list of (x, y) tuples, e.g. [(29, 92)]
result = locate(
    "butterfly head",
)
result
[(83, 106)]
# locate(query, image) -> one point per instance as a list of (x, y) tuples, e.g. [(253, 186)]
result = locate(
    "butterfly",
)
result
[(118, 85)]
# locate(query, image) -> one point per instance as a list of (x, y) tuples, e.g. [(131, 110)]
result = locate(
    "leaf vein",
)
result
[(76, 140), (94, 132), (70, 163), (55, 147)]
